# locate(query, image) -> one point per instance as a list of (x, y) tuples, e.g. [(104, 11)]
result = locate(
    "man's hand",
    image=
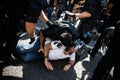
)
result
[(48, 65), (49, 23), (67, 67), (53, 24)]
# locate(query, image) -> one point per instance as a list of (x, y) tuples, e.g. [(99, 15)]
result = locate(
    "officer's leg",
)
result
[(30, 28), (104, 65), (96, 47)]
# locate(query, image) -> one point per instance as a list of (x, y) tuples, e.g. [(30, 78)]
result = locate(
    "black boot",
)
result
[(31, 40)]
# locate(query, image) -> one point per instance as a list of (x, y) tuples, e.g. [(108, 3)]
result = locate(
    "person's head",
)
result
[(70, 49), (66, 39)]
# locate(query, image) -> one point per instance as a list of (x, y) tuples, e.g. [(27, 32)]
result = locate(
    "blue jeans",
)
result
[(29, 52)]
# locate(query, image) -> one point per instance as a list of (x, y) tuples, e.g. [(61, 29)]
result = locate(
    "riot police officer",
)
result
[(111, 59)]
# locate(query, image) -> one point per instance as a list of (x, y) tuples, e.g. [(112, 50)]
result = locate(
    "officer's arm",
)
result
[(43, 17), (82, 15)]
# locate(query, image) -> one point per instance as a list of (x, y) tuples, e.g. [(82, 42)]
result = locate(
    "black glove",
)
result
[(31, 40), (52, 24), (49, 23)]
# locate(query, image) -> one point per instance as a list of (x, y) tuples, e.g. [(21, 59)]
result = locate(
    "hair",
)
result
[(68, 47), (66, 39)]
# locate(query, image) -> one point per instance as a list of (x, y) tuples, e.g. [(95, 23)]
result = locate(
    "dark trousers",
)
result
[(108, 22), (9, 28), (97, 45), (110, 60), (103, 67)]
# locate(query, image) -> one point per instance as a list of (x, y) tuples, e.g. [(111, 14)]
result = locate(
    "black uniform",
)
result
[(35, 8), (56, 30), (111, 59), (109, 22), (87, 24), (11, 13)]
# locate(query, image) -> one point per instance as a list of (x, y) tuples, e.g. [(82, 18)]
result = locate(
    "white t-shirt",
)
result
[(57, 52)]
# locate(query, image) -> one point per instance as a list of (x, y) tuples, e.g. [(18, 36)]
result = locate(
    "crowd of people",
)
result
[(61, 44)]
